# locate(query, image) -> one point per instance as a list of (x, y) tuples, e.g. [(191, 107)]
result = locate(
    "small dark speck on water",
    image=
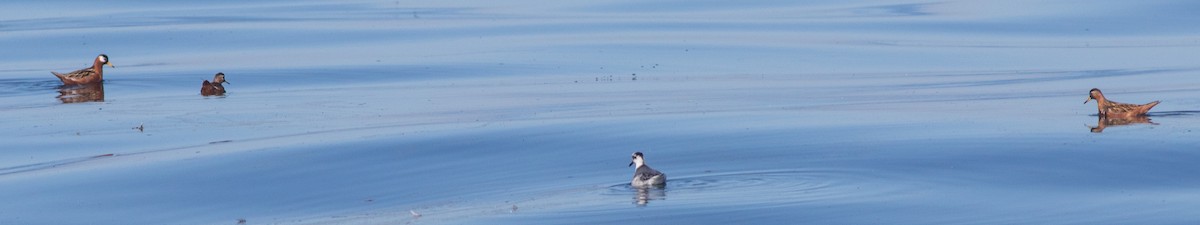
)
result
[(225, 141), (241, 221)]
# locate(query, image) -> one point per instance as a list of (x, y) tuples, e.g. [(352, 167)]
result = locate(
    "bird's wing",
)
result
[(80, 73), (645, 172)]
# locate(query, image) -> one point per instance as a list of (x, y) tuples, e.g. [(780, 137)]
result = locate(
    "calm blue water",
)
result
[(523, 112)]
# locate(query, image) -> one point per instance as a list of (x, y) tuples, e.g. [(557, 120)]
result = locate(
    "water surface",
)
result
[(760, 112)]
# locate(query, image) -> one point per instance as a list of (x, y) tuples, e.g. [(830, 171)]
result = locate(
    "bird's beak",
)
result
[(1088, 99), (225, 81), (110, 64), (630, 164)]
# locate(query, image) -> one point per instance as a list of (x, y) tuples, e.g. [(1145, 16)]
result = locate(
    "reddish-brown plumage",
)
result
[(214, 87), (94, 74), (1116, 109)]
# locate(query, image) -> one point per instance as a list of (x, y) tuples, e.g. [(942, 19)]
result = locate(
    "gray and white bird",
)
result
[(645, 176)]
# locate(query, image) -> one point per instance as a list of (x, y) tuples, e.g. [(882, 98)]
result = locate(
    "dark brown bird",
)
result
[(214, 87), (1117, 109), (92, 75)]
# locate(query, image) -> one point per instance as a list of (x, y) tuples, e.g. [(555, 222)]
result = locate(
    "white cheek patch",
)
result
[(101, 59)]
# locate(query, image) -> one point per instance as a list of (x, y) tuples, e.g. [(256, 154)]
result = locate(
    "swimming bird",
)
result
[(1117, 109), (95, 74), (645, 176), (214, 87)]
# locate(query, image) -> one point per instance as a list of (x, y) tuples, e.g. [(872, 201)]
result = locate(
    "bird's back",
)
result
[(645, 176), (86, 75), (1126, 109), (206, 88)]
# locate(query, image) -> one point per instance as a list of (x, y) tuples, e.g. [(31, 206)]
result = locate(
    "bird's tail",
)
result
[(60, 76), (1151, 104)]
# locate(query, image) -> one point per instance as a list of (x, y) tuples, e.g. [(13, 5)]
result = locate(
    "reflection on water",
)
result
[(644, 195), (781, 98), (81, 93), (1106, 121), (1116, 121)]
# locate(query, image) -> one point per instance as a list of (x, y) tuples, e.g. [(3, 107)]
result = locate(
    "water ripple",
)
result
[(749, 188), (24, 86)]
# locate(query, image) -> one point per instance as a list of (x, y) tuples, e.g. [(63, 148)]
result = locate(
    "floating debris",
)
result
[(241, 221), (514, 209), (414, 213), (141, 127)]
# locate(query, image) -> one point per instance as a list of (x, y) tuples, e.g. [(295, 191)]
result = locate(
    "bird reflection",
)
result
[(644, 195), (1116, 121), (93, 92)]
